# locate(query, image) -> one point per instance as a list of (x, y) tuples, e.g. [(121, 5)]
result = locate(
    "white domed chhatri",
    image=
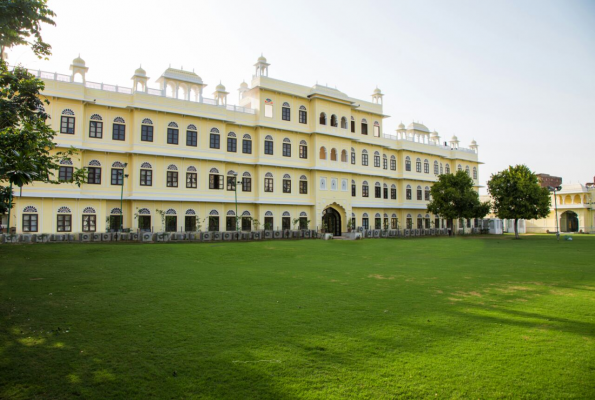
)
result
[(377, 96), (79, 69), (262, 67)]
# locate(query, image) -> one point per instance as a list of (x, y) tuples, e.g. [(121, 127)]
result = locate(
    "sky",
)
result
[(516, 76)]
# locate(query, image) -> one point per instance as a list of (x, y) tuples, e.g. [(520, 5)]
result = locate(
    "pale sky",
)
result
[(516, 76)]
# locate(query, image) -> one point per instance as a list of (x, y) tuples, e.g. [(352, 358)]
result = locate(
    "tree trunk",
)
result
[(516, 228), (9, 208)]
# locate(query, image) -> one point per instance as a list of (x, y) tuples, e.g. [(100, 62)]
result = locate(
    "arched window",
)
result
[(393, 191), (286, 112), (94, 163), (146, 130), (322, 119), (384, 162), (364, 127), (247, 144), (427, 193), (214, 212), (171, 211), (232, 143), (96, 126), (190, 211), (69, 162), (214, 139), (407, 163), (365, 189), (119, 129), (376, 159), (408, 194), (418, 165), (146, 174), (64, 210), (191, 169), (30, 219), (352, 156), (334, 120), (420, 222), (268, 214), (333, 154), (64, 220), (191, 136), (426, 166), (286, 147), (117, 164), (377, 190), (147, 121), (352, 125), (268, 108), (467, 170), (376, 129), (286, 183), (343, 123), (344, 155), (441, 169), (303, 115), (115, 211), (67, 122), (365, 157), (474, 172), (173, 133), (419, 193), (435, 167), (231, 213), (459, 168), (172, 167), (146, 165), (89, 210), (268, 182), (303, 184), (409, 221), (268, 145), (447, 168), (393, 163), (144, 211), (323, 153), (303, 149)]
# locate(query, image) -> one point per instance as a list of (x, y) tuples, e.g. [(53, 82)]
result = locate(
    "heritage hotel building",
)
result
[(175, 158)]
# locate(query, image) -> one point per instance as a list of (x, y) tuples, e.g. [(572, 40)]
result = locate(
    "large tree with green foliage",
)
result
[(453, 197), (517, 195), (26, 140), (20, 20)]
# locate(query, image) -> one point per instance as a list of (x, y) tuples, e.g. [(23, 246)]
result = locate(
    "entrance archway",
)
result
[(332, 219), (569, 222)]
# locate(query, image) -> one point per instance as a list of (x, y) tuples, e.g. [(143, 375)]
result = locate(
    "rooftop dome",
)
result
[(261, 59), (454, 139), (401, 126), (78, 61), (418, 127), (243, 85), (377, 91), (140, 71), (220, 88), (473, 143), (434, 134)]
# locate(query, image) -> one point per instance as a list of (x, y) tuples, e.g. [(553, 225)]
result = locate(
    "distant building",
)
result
[(546, 180)]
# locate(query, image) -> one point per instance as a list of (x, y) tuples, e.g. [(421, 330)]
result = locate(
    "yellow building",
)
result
[(174, 156)]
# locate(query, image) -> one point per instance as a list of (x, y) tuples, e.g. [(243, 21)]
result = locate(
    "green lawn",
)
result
[(485, 317)]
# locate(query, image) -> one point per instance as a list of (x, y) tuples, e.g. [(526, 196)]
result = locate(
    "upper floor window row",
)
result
[(285, 111), (364, 124)]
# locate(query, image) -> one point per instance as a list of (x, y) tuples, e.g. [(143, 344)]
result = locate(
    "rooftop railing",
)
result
[(429, 143), (53, 76)]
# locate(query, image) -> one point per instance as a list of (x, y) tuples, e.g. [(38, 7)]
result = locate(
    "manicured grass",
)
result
[(486, 317)]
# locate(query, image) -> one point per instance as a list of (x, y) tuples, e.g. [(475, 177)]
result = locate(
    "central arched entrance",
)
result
[(332, 220), (569, 221)]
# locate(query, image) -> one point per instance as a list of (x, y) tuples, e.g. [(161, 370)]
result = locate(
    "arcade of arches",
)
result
[(569, 222)]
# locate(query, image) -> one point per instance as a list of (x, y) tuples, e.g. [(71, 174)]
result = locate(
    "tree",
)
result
[(453, 197), (517, 195), (21, 19)]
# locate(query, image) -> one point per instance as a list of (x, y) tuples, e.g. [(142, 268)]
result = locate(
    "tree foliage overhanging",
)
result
[(517, 195), (453, 197)]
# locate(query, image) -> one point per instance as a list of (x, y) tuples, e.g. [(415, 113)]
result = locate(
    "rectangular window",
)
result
[(427, 195), (393, 223), (216, 182), (384, 163), (29, 222), (377, 223), (67, 125), (376, 131), (191, 180), (418, 166), (247, 146), (171, 223), (230, 224), (365, 191), (119, 132), (115, 223), (407, 165), (353, 191), (268, 147), (385, 192), (268, 223), (214, 141), (427, 168), (246, 224), (64, 223), (231, 183), (172, 135), (303, 187), (303, 151), (377, 192), (144, 223), (191, 138), (89, 223), (286, 149), (285, 113), (353, 158), (94, 176), (146, 177), (352, 126), (303, 117), (117, 176), (190, 223), (286, 186), (365, 223), (365, 159), (419, 196), (364, 129), (213, 224), (268, 184), (268, 110), (377, 161), (285, 223), (65, 174), (246, 184), (393, 165), (232, 145), (146, 133), (393, 194), (172, 179), (96, 129)]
